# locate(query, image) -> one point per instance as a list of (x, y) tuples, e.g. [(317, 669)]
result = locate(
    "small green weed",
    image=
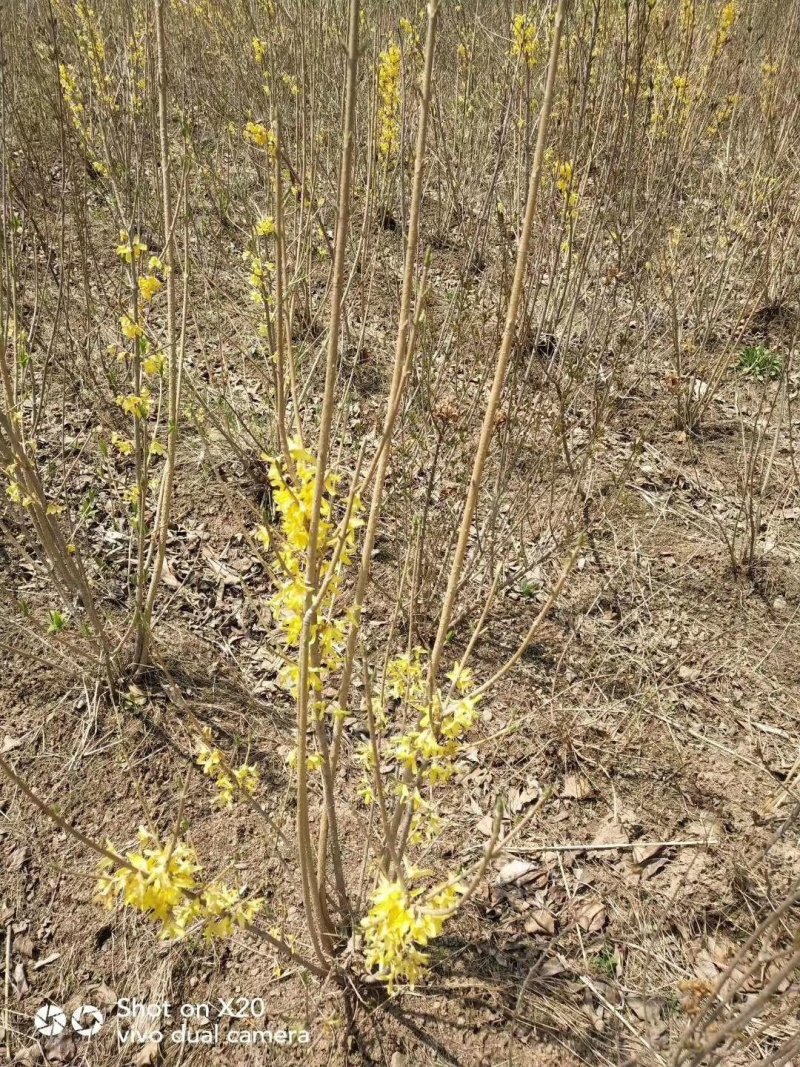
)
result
[(761, 363)]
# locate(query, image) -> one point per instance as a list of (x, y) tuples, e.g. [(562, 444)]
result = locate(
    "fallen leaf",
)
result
[(644, 853), (540, 921), (610, 833), (47, 960), (552, 967), (18, 858), (20, 980), (24, 946), (514, 870), (29, 1056), (168, 578), (707, 828), (486, 826), (521, 798), (705, 967), (577, 787), (592, 916), (648, 1009), (10, 742), (147, 1055), (104, 997), (61, 1049)]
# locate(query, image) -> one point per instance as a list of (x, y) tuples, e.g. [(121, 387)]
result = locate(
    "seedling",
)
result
[(58, 620), (760, 362)]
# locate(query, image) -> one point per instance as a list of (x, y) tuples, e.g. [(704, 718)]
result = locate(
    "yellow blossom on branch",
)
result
[(162, 881), (256, 133), (397, 928), (130, 249), (149, 285), (137, 406), (130, 329)]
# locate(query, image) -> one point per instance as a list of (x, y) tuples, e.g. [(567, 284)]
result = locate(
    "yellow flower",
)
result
[(122, 444), (149, 285), (129, 249), (163, 882), (154, 364), (256, 133), (265, 227), (524, 42), (130, 329), (396, 924), (461, 677), (245, 778), (137, 406), (389, 80)]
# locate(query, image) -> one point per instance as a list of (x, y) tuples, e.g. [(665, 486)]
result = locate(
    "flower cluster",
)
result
[(73, 97), (389, 80), (261, 271), (245, 778), (162, 882), (93, 49), (14, 491), (259, 47), (138, 407), (525, 39), (727, 20), (398, 927), (256, 133), (441, 720), (147, 281), (293, 495), (687, 16), (564, 173)]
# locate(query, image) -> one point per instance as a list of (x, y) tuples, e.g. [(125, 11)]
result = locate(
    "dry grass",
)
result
[(648, 912)]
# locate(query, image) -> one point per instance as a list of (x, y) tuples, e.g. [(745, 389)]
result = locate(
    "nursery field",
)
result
[(399, 533)]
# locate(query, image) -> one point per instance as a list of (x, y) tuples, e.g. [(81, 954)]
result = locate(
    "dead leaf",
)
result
[(513, 871), (24, 946), (540, 921), (552, 967), (168, 578), (577, 787), (29, 1056), (104, 997), (592, 916), (521, 798), (486, 825), (61, 1049), (10, 742), (225, 574), (18, 858), (21, 987), (648, 1009), (651, 868), (147, 1055), (47, 960), (707, 828), (642, 854), (705, 967), (610, 833)]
